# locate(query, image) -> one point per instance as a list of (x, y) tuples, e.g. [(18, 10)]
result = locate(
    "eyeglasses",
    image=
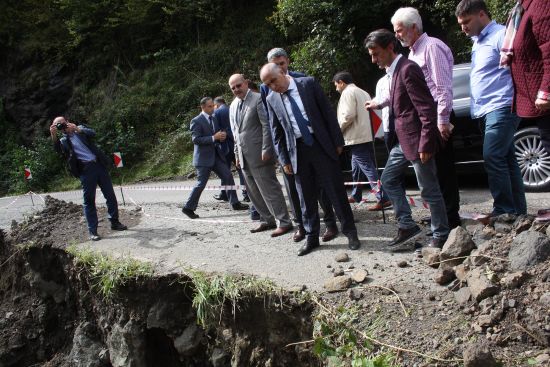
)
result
[(237, 86)]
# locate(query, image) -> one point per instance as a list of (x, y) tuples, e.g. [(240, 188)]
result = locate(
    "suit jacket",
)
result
[(205, 149), (222, 115), (414, 110), (64, 147), (531, 61), (251, 131), (320, 114)]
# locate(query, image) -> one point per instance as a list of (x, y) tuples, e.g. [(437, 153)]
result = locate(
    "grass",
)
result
[(212, 292), (108, 274)]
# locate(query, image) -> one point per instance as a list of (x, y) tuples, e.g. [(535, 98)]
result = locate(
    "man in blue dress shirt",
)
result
[(492, 93)]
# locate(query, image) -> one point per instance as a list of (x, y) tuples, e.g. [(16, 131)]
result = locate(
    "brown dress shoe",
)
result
[(299, 235), (330, 234), (379, 205), (281, 231), (263, 227)]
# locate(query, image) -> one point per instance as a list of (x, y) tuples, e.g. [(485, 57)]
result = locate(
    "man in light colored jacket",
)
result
[(355, 124)]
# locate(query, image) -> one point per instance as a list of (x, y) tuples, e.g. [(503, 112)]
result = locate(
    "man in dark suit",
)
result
[(221, 113), (208, 156), (414, 139), (308, 140), (280, 57)]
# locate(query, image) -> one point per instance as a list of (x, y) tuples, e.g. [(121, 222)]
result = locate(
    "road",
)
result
[(220, 240)]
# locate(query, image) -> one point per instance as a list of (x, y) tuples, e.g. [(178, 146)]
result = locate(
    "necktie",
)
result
[(239, 111), (212, 124), (300, 120)]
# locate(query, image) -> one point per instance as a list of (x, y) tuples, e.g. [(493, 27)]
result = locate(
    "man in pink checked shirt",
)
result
[(436, 61)]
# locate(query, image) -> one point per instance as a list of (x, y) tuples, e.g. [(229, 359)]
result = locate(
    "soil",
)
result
[(46, 301)]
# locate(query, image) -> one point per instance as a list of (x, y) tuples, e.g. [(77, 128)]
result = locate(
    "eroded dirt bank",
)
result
[(59, 307)]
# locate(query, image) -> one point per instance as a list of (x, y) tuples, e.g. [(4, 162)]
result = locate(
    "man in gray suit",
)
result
[(308, 140), (254, 154), (208, 156)]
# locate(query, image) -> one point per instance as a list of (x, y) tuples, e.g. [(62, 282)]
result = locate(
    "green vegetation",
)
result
[(338, 342), (136, 69), (108, 274), (212, 292)]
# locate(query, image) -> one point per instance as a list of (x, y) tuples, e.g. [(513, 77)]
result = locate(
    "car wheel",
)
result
[(533, 159)]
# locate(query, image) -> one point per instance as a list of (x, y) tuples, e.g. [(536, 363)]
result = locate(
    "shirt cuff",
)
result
[(543, 95), (213, 139)]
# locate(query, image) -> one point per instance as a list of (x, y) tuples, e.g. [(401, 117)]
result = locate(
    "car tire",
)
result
[(533, 159)]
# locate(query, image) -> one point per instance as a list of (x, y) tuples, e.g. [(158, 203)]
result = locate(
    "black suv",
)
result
[(533, 160)]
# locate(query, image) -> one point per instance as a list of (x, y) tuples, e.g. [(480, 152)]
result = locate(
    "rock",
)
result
[(341, 257), (460, 272), (484, 321), (359, 275), (503, 218), (219, 358), (523, 223), (298, 288), (463, 296), (458, 244), (528, 248), (338, 272), (87, 348), (164, 315), (543, 359), (476, 259), (444, 274), (402, 264), (127, 345), (355, 294), (431, 256), (187, 343), (478, 355), (479, 285), (545, 300), (503, 228), (337, 284), (514, 280)]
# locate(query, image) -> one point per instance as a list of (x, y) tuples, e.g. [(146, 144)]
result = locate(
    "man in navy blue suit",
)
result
[(208, 156), (221, 113), (280, 57), (308, 140)]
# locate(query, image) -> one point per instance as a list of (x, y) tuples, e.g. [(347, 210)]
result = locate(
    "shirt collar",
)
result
[(206, 115), (484, 32), (246, 95), (419, 42), (292, 84), (391, 69)]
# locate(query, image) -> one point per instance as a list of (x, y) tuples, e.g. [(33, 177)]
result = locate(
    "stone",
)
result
[(341, 257), (430, 255), (503, 228), (543, 359), (337, 284), (476, 259), (338, 272), (514, 280), (485, 321), (164, 315), (402, 264), (359, 275), (458, 244), (545, 300), (478, 355), (523, 223), (479, 285), (463, 296), (444, 275), (127, 345), (528, 248), (87, 348), (219, 358), (355, 294), (187, 343), (460, 272), (298, 288)]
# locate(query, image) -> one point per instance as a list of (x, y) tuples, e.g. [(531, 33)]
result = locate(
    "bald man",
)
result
[(254, 154)]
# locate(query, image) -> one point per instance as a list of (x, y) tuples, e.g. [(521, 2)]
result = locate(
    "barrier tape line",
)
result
[(13, 202)]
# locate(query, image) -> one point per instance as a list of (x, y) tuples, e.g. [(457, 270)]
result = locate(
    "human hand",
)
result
[(445, 131), (371, 105), (220, 136), (71, 128), (542, 104), (287, 168), (425, 157)]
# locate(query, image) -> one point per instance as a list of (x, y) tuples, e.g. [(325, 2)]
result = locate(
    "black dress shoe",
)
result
[(308, 247), (437, 242), (330, 234), (190, 213), (221, 197), (263, 227), (239, 206), (299, 235), (117, 226), (354, 243), (403, 237)]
